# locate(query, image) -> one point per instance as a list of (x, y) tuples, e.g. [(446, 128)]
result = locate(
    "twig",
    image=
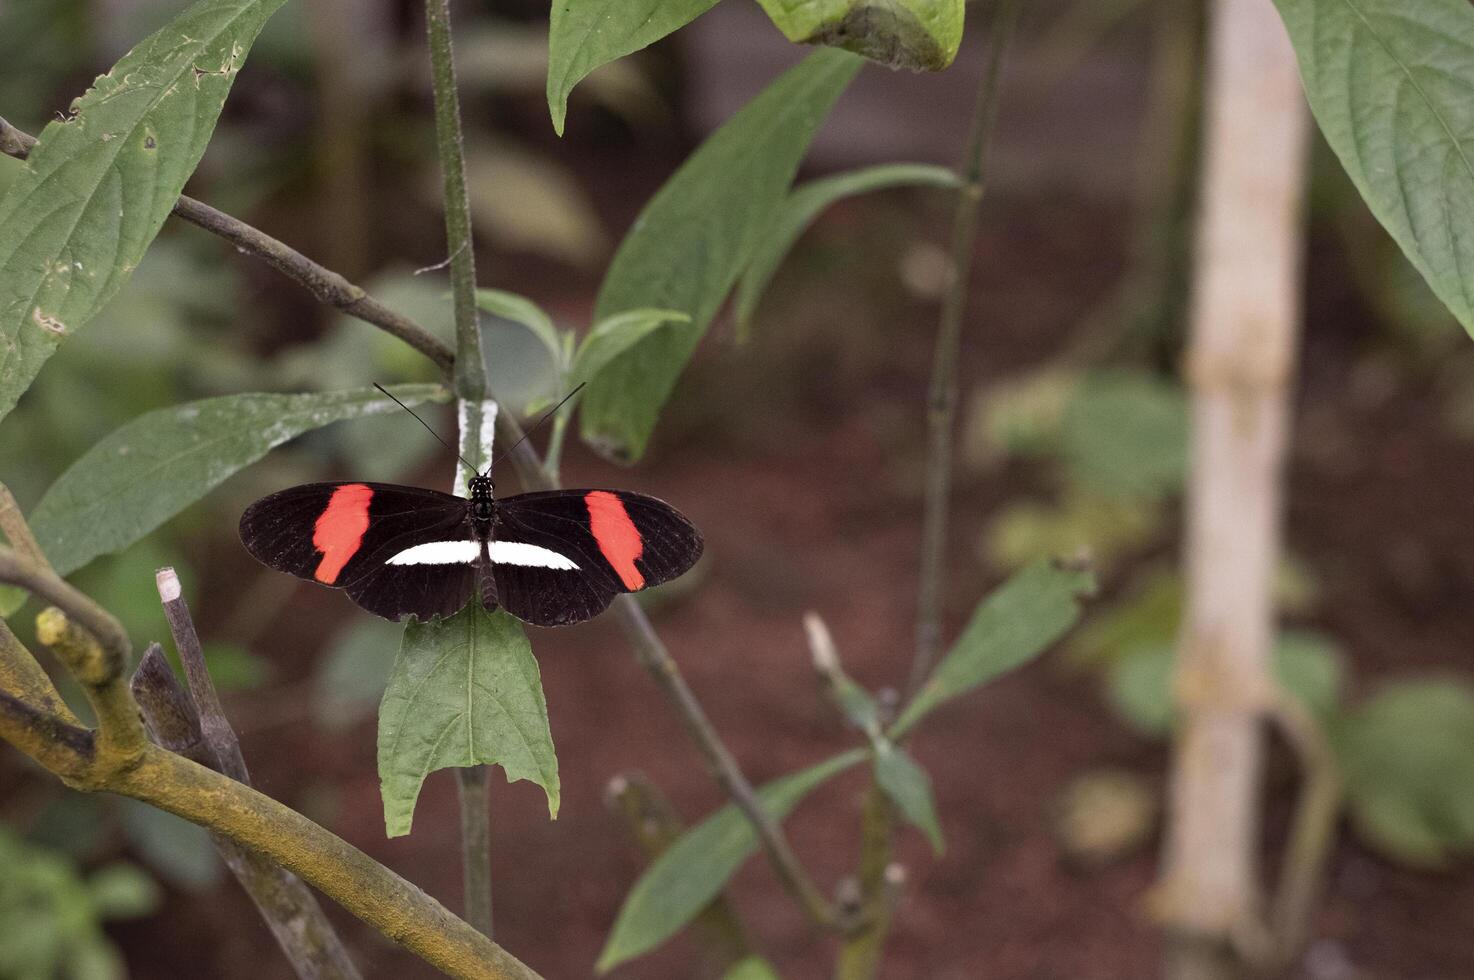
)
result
[(655, 825), (288, 907), (43, 583), (219, 736), (23, 677), (119, 758), (942, 396), (328, 286), (1312, 831), (13, 525), (470, 373)]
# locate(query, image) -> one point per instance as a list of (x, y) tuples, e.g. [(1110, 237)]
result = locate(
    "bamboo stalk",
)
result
[(1245, 315)]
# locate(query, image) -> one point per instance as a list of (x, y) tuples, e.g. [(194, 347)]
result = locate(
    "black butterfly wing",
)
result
[(348, 535), (561, 556)]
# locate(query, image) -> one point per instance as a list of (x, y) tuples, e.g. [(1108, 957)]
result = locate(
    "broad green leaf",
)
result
[(520, 309), (1409, 771), (694, 870), (584, 34), (100, 182), (1012, 626), (909, 787), (1125, 435), (161, 462), (751, 968), (465, 692), (915, 34), (804, 205), (695, 237), (613, 336), (1391, 84)]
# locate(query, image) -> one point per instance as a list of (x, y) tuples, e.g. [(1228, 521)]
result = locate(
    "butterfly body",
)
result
[(549, 558)]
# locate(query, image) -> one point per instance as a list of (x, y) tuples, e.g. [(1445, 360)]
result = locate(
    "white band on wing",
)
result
[(461, 552), (521, 553)]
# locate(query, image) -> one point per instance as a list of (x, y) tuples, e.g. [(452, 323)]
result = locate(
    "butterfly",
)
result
[(550, 558)]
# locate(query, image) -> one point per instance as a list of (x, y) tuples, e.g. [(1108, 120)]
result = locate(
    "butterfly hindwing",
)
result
[(561, 556), (344, 535)]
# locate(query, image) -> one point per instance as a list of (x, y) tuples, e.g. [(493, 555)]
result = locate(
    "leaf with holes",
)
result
[(100, 183), (153, 467), (694, 238), (922, 35), (465, 691), (694, 870), (1391, 84)]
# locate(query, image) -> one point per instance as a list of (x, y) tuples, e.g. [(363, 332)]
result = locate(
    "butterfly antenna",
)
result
[(538, 424), (425, 424)]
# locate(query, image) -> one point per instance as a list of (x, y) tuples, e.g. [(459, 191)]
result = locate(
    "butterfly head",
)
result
[(482, 491)]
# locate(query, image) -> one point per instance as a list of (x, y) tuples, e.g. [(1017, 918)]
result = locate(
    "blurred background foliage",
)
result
[(1074, 438)]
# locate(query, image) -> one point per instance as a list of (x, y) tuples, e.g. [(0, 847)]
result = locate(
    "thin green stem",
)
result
[(553, 459), (470, 372), (942, 397), (476, 845)]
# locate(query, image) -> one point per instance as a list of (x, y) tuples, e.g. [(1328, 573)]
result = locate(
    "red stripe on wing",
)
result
[(339, 529), (617, 536)]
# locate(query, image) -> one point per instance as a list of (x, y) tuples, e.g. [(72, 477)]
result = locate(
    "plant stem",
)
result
[(475, 798), (328, 286), (942, 396), (1240, 359), (470, 373)]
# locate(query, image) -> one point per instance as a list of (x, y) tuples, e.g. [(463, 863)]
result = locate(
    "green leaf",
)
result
[(751, 968), (465, 691), (1409, 772), (922, 35), (613, 336), (123, 891), (1139, 684), (1391, 84), (1012, 626), (349, 682), (153, 467), (100, 183), (696, 236), (1125, 435), (584, 34), (520, 309), (694, 869), (805, 204), (909, 787), (178, 850)]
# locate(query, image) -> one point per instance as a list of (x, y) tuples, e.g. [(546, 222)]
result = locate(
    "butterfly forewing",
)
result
[(617, 542), (343, 535)]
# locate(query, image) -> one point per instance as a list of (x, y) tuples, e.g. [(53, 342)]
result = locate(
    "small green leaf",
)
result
[(909, 787), (465, 691), (1391, 84), (100, 182), (1125, 435), (695, 237), (349, 682), (161, 462), (1409, 771), (520, 309), (123, 891), (694, 869), (916, 34), (804, 205), (1012, 626), (584, 34), (751, 968), (613, 336)]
